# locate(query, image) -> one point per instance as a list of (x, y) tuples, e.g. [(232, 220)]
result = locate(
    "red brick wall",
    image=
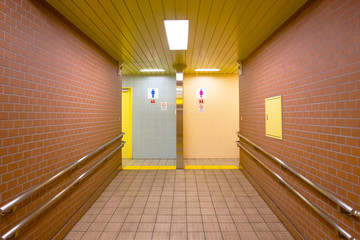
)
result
[(59, 100), (314, 63)]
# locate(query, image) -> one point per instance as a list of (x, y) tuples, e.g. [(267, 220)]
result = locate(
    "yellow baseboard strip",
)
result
[(149, 168), (189, 167), (167, 167), (194, 167)]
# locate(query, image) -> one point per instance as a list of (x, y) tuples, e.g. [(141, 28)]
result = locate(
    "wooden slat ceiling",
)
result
[(221, 31)]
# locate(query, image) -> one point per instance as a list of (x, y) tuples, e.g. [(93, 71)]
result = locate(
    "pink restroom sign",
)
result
[(201, 93)]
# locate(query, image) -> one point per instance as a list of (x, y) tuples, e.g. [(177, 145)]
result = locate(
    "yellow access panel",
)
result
[(273, 117), (126, 121)]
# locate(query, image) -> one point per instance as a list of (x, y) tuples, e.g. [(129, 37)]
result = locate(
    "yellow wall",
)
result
[(212, 133)]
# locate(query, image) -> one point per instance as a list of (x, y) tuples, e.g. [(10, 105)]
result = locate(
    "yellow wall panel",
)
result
[(273, 117), (211, 133)]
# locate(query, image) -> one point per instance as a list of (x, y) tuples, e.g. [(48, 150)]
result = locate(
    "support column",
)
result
[(179, 115)]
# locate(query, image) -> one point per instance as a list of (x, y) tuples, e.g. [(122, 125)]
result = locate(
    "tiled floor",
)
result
[(172, 162), (179, 204)]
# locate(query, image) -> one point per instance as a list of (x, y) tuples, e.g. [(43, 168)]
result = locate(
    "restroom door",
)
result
[(126, 122)]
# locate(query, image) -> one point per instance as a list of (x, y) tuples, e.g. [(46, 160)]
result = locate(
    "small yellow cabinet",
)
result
[(273, 117)]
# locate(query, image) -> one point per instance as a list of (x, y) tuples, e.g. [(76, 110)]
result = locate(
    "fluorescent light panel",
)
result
[(177, 32), (152, 70), (179, 76), (207, 69)]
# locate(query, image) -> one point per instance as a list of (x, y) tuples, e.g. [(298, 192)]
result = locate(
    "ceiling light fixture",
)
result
[(179, 76), (152, 70), (207, 69), (177, 32)]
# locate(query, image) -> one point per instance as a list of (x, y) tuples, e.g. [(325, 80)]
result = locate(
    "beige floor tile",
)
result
[(225, 218), (178, 219), (91, 236), (97, 227), (162, 227), (161, 235), (227, 227), (129, 227), (248, 235), (277, 227), (255, 218), (133, 218), (177, 227), (244, 227), (81, 227), (102, 218), (194, 219), (283, 235), (195, 227), (163, 219), (108, 236), (211, 227), (74, 235), (179, 211), (209, 218), (113, 227), (148, 218), (196, 236), (146, 227), (213, 235), (260, 227), (231, 235), (143, 235), (266, 235), (181, 235), (126, 236)]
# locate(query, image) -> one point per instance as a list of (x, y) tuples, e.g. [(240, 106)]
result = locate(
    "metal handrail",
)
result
[(11, 206), (14, 232), (339, 230), (348, 209)]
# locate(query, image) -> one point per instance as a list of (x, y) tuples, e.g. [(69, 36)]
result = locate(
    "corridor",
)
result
[(243, 125)]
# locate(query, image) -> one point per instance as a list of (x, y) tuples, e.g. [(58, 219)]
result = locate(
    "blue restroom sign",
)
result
[(153, 93)]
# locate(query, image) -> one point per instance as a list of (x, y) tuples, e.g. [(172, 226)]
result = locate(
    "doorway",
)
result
[(126, 123)]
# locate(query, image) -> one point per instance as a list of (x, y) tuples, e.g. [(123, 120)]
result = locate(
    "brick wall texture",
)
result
[(60, 99), (313, 61)]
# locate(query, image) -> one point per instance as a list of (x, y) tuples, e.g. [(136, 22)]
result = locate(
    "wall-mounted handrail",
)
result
[(340, 231), (14, 232), (11, 206), (346, 208)]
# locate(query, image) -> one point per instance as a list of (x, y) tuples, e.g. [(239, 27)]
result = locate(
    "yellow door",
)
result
[(126, 122)]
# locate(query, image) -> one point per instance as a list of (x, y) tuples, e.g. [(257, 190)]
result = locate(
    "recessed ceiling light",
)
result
[(179, 76), (152, 70), (177, 33), (207, 69)]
